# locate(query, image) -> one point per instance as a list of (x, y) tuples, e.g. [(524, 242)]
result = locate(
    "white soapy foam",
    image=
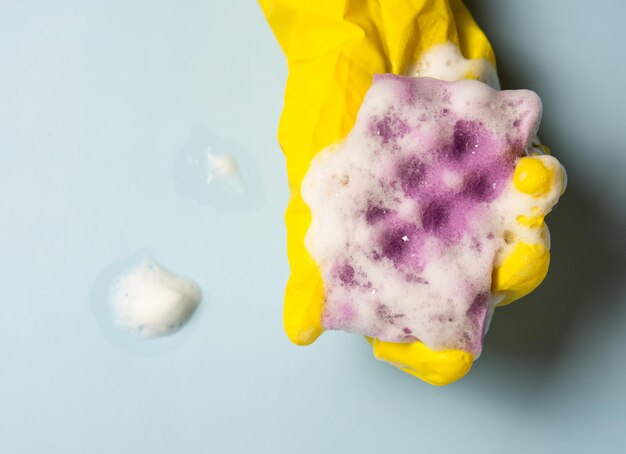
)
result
[(150, 301), (453, 180), (445, 62), (432, 306), (222, 166)]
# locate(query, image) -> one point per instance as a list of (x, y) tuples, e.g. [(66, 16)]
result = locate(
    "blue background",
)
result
[(97, 102)]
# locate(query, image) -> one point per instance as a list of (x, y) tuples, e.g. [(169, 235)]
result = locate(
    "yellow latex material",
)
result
[(535, 220), (521, 272), (532, 177), (435, 367), (333, 49), (531, 221)]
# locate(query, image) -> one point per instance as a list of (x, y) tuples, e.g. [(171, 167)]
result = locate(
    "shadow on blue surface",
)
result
[(528, 340), (586, 270)]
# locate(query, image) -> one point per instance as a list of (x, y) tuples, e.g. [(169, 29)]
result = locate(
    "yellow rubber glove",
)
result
[(333, 49)]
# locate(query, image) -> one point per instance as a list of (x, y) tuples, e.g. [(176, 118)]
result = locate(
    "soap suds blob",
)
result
[(224, 167), (445, 62), (149, 301), (211, 170)]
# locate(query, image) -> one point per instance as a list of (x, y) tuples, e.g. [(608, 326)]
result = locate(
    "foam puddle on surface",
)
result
[(213, 171), (150, 301), (145, 311)]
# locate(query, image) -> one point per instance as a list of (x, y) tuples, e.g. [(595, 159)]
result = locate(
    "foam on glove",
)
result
[(412, 211)]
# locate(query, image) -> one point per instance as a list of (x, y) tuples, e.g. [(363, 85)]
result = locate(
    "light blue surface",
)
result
[(97, 102)]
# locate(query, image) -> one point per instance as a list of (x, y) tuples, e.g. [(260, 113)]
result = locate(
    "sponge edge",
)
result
[(438, 368)]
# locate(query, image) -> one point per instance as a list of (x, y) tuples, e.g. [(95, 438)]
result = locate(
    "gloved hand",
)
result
[(333, 49)]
